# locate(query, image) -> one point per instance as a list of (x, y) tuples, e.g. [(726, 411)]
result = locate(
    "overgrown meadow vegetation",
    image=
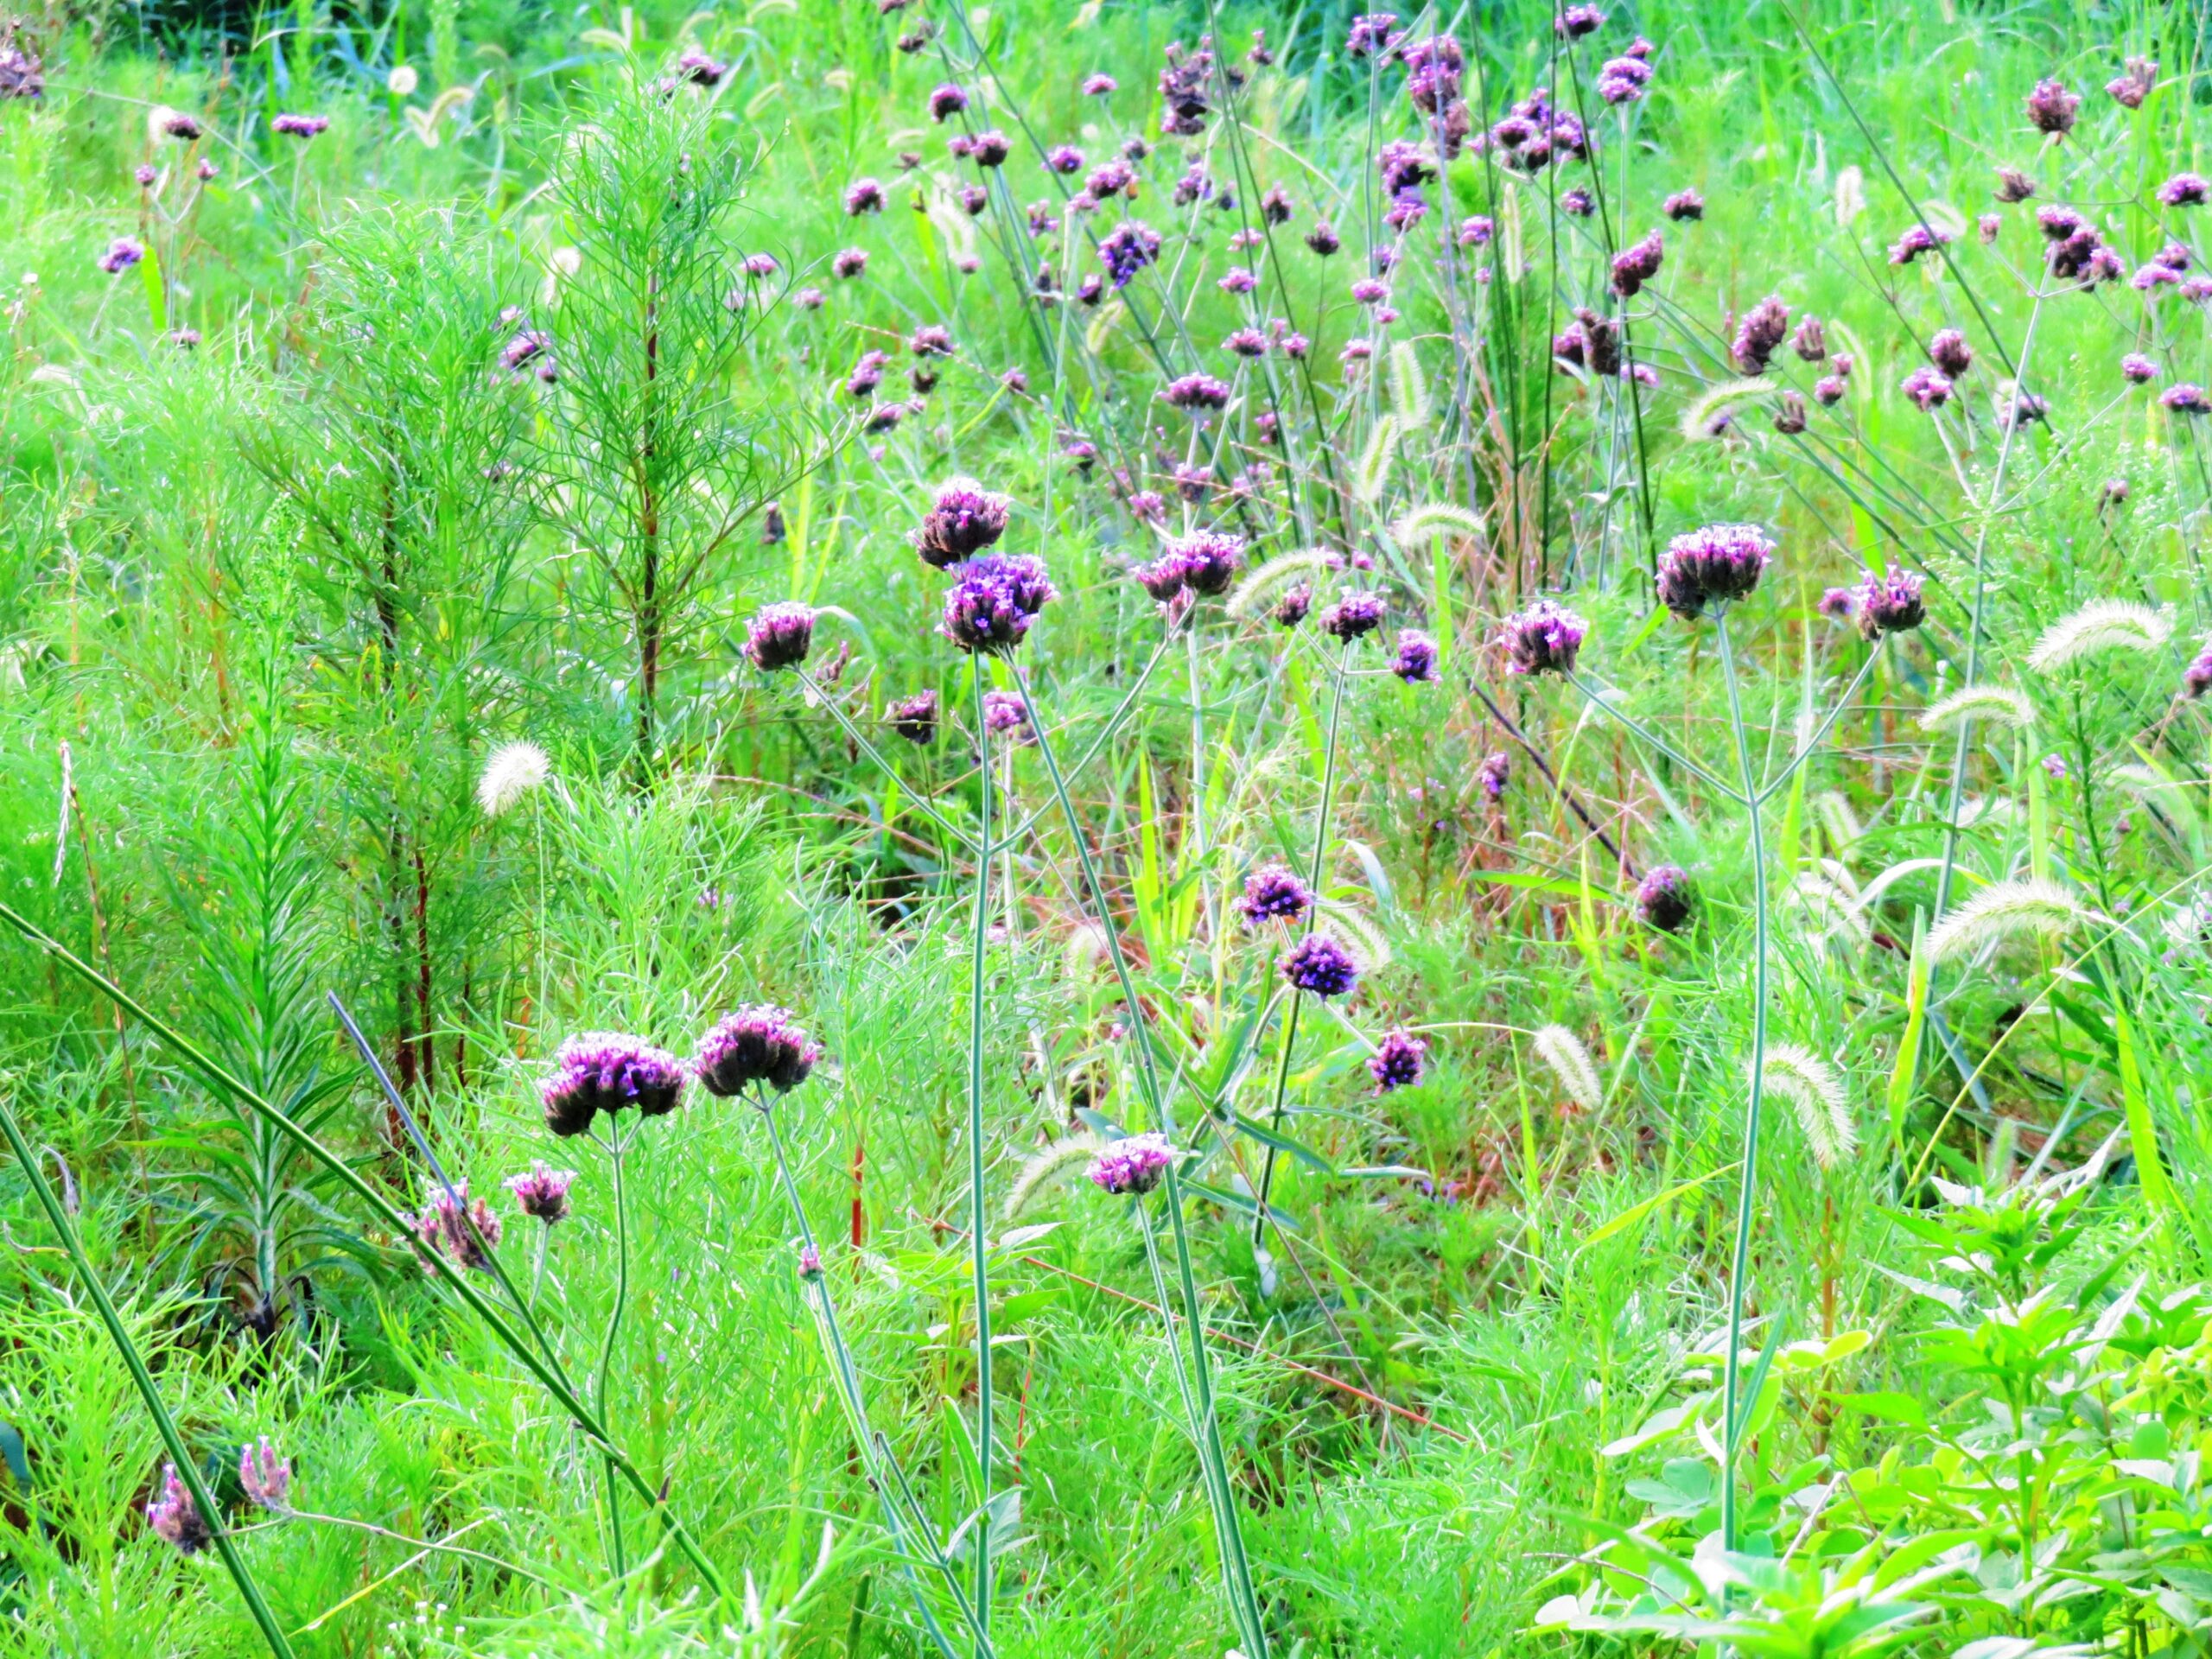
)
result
[(882, 827)]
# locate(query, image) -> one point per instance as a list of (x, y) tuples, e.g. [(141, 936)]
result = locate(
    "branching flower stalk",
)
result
[(1206, 1425)]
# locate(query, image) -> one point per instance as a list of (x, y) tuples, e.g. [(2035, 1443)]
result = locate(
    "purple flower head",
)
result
[(1989, 225), (2197, 678), (849, 263), (542, 1191), (1574, 21), (1949, 352), (809, 1262), (965, 520), (605, 1072), (145, 174), (1238, 280), (810, 299), (122, 253), (2186, 398), (1127, 249), (2129, 90), (1397, 1062), (1275, 205), (757, 1044), (699, 69), (1318, 964), (1246, 342), (1789, 415), (175, 123), (2055, 767), (2186, 190), (299, 126), (1838, 602), (1542, 639), (1616, 88), (2051, 107), (1927, 389), (1192, 392), (1004, 711), (2115, 493), (1715, 565), (1183, 87), (1353, 616), (1065, 158), (1828, 390), (947, 100), (1764, 327), (989, 149), (2014, 186), (459, 1228), (1402, 166), (1416, 659), (1578, 201), (173, 1515), (1162, 579), (1637, 263), (1136, 1163), (1433, 71), (1322, 238), (914, 718), (266, 1477), (1210, 561), (528, 345), (779, 635), (1099, 85), (1370, 33), (1890, 604), (1684, 205), (1492, 775), (1810, 342), (990, 609), (863, 196), (931, 340), (1917, 240), (1291, 610), (1662, 899), (1273, 893), (1476, 232)]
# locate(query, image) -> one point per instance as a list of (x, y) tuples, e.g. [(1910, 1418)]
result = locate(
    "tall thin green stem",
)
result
[(1747, 1181), (979, 1261), (188, 1468), (614, 1553)]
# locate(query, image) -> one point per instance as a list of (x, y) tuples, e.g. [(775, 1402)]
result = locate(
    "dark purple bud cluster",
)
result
[(2014, 186), (991, 606), (1917, 240), (1684, 205), (1183, 88), (1319, 965), (1273, 893), (1663, 898), (605, 1072), (757, 1044), (914, 718), (1195, 391), (1889, 603), (542, 1191), (1543, 640), (1949, 352), (1760, 334), (965, 520), (779, 635), (1927, 388), (458, 1228), (172, 1515), (1637, 263), (1397, 1062), (300, 126), (1135, 1164), (1714, 566), (2129, 90), (1416, 662), (2051, 108), (1353, 616)]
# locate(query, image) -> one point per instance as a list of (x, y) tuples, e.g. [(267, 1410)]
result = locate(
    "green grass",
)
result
[(280, 593)]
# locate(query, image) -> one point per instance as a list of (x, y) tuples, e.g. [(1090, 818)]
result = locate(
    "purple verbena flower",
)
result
[(174, 1516), (1715, 565), (2051, 107), (1292, 607), (1322, 238), (1004, 711), (1192, 392), (779, 635), (863, 196), (2186, 398), (1949, 353), (1273, 893), (1397, 1062), (299, 126), (1492, 775), (756, 1044), (2186, 190), (458, 1228), (1637, 263), (1318, 964), (542, 1191), (605, 1072), (1574, 21), (1838, 602), (1135, 1164), (1762, 331), (266, 1477), (2197, 678), (1927, 389), (1917, 240), (946, 100), (1544, 638), (1098, 86), (122, 253), (1353, 616), (1210, 561), (1416, 659), (914, 718), (1684, 205), (1889, 603), (1127, 249), (965, 520), (996, 599), (1663, 898)]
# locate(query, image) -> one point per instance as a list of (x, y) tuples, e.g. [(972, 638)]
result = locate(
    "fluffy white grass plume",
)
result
[(1053, 1162), (1998, 703), (514, 772), (1563, 1050), (2006, 910), (1437, 516), (1815, 1093), (2101, 624), (1264, 582)]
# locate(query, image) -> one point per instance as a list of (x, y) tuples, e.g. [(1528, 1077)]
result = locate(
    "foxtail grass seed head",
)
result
[(1416, 662), (2006, 910), (1817, 1098), (1398, 1061), (266, 1477), (779, 635), (1715, 566), (1889, 603), (1664, 898), (1353, 616), (175, 1518), (512, 773), (964, 519), (542, 1191), (599, 1071), (2102, 625), (1319, 965), (997, 598), (1545, 638), (758, 1044), (1273, 893), (1561, 1050), (1135, 1164), (915, 718), (459, 1228)]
